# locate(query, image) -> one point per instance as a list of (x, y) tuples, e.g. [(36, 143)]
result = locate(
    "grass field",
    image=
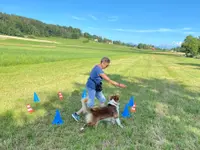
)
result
[(165, 86)]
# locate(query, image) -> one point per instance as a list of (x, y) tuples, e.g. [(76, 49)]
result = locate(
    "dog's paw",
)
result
[(113, 121), (81, 130)]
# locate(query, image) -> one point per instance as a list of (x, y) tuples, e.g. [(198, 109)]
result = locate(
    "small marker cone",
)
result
[(133, 109), (131, 101), (36, 98), (126, 113), (84, 94), (30, 110), (57, 119), (60, 95)]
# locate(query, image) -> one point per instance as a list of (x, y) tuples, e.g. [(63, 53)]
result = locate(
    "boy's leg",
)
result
[(80, 111), (76, 114), (100, 96), (90, 103), (91, 97)]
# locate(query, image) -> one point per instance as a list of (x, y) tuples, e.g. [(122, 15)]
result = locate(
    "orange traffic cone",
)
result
[(60, 95), (133, 108), (30, 110)]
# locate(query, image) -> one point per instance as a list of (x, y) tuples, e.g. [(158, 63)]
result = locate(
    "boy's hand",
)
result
[(122, 85)]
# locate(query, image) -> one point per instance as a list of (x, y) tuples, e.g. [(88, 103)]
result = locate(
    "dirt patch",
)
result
[(26, 39), (26, 45), (161, 109), (175, 67)]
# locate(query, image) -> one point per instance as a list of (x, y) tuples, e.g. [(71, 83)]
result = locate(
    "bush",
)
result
[(31, 36), (189, 55), (197, 57), (86, 41)]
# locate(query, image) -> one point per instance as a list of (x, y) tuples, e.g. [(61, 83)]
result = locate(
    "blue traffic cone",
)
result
[(84, 94), (131, 101), (57, 119), (126, 113), (36, 98)]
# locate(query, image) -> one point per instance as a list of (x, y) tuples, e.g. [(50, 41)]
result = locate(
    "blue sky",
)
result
[(158, 22)]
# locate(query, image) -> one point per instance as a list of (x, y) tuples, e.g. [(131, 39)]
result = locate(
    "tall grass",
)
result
[(165, 87)]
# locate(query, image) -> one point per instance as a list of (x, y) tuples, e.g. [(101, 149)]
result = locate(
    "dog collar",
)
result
[(112, 102)]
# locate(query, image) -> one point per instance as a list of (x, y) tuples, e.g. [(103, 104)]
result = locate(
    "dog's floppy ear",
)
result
[(116, 97), (111, 97)]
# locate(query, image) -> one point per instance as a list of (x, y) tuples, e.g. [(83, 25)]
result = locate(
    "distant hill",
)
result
[(20, 26), (14, 25)]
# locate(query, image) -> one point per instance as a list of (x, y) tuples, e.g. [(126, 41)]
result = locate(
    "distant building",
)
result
[(96, 40), (110, 42)]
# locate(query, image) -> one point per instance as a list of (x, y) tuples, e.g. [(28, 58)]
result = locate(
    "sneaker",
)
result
[(76, 116)]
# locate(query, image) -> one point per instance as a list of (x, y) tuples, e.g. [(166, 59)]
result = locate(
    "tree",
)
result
[(144, 46), (117, 42), (19, 26), (75, 36), (199, 45), (87, 35), (178, 49), (140, 46), (191, 46)]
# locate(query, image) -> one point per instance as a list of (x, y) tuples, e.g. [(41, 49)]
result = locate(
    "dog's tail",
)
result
[(84, 105)]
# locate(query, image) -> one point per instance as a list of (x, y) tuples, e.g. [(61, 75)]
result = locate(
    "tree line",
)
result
[(21, 26), (190, 46), (15, 25), (145, 46)]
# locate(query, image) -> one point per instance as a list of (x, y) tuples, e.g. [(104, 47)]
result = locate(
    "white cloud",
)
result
[(189, 32), (165, 30), (124, 30), (175, 43), (146, 30), (159, 30), (197, 34), (187, 28), (153, 30), (170, 45), (78, 18), (113, 18), (93, 17)]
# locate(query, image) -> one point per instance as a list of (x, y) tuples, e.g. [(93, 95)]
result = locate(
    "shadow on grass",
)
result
[(36, 129), (167, 117), (190, 64), (127, 50), (161, 53)]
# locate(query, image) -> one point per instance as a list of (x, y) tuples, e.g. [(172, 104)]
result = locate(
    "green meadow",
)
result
[(165, 86)]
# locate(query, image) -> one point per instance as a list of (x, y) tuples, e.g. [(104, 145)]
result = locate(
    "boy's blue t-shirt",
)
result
[(94, 74)]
